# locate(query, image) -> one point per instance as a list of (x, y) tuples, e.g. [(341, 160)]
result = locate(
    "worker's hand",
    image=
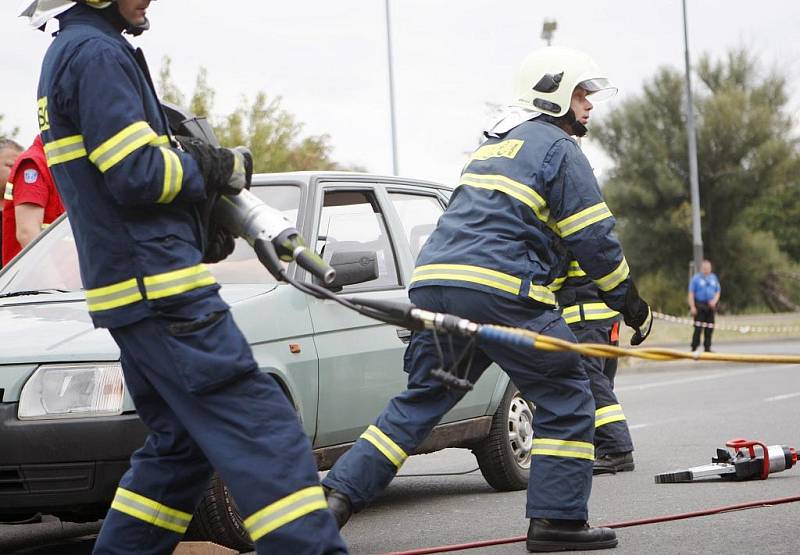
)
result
[(693, 311), (220, 244), (637, 315), (225, 170)]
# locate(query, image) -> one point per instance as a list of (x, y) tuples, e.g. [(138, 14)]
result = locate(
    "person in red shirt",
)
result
[(9, 150), (31, 201)]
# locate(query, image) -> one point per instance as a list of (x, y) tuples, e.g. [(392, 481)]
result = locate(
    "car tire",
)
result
[(217, 519), (504, 457)]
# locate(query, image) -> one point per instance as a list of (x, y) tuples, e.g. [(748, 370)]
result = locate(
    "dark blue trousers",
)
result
[(561, 465), (611, 434), (198, 389)]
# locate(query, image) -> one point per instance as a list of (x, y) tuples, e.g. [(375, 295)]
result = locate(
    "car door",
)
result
[(360, 359), (418, 210)]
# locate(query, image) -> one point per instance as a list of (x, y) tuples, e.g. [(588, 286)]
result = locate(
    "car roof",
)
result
[(308, 177)]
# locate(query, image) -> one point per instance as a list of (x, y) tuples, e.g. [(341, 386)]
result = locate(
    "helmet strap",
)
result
[(112, 15), (567, 122)]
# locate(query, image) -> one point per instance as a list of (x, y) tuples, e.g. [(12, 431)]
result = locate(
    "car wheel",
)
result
[(504, 457), (217, 519)]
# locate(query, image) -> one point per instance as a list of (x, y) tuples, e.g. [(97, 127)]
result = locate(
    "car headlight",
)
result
[(72, 391)]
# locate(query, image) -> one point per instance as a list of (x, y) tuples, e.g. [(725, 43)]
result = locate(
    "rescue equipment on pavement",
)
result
[(746, 460)]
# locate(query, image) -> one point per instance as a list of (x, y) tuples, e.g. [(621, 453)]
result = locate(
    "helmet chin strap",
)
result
[(113, 16), (568, 122)]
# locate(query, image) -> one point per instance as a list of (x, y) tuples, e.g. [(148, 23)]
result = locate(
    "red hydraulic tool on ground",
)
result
[(749, 460)]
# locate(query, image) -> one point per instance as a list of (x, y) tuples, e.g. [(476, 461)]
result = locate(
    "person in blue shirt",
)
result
[(704, 292)]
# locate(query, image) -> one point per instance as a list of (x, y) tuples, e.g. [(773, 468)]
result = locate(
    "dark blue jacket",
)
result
[(130, 195), (519, 197)]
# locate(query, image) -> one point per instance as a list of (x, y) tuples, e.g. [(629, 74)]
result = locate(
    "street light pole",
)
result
[(694, 186), (392, 122)]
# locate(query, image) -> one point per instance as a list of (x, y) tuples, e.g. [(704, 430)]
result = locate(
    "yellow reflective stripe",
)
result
[(151, 512), (571, 314), (385, 445), (161, 140), (606, 415), (482, 276), (583, 219), (285, 510), (557, 283), (177, 281), (575, 270), (173, 175), (8, 194), (113, 296), (504, 149), (519, 191), (115, 149), (542, 294), (472, 274), (610, 281), (64, 150), (563, 448)]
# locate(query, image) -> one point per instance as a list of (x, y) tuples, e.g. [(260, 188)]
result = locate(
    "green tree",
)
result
[(7, 134), (746, 156), (273, 134)]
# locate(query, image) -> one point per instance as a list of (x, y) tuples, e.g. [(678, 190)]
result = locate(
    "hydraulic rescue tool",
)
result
[(746, 460), (272, 236)]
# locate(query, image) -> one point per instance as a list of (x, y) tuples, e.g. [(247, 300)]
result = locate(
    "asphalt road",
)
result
[(679, 414)]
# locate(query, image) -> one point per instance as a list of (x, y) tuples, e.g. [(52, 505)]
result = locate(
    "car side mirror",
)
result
[(353, 267)]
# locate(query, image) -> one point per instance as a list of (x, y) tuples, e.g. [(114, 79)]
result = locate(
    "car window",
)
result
[(352, 221), (52, 263), (419, 214)]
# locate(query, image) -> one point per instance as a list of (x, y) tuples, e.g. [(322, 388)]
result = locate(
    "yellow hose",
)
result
[(546, 343)]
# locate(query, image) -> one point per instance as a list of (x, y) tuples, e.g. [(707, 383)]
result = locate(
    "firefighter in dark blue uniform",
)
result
[(133, 201), (592, 321), (491, 259)]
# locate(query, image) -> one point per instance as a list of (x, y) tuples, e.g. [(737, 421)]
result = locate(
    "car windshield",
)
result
[(51, 264)]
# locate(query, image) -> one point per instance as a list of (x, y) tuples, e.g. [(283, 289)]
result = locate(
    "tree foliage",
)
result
[(274, 135), (7, 134), (749, 174)]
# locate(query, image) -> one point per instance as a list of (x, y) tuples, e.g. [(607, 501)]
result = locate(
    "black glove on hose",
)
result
[(637, 315), (226, 171)]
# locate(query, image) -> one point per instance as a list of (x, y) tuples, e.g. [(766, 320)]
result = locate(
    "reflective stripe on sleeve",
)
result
[(503, 184), (64, 150), (482, 276), (610, 281), (151, 512), (591, 311), (8, 194), (285, 510), (113, 296), (173, 175), (177, 281), (575, 270), (115, 149), (385, 445), (583, 219), (606, 415), (563, 448)]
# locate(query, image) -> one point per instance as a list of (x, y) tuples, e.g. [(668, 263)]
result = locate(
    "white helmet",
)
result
[(547, 77), (39, 12)]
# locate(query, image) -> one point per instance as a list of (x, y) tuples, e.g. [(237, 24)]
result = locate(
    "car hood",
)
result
[(57, 328)]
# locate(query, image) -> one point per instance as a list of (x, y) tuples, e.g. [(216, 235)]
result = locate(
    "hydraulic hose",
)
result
[(623, 524)]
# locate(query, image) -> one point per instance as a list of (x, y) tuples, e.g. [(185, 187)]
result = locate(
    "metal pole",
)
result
[(392, 123), (694, 186)]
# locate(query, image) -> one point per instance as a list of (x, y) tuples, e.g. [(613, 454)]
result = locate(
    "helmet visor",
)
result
[(599, 88)]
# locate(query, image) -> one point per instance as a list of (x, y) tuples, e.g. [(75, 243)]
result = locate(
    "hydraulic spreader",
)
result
[(745, 460)]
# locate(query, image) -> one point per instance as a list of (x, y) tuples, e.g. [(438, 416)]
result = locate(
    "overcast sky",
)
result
[(327, 60)]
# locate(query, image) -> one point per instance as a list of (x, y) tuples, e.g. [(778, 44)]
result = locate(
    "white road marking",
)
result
[(718, 375), (782, 397), (637, 426)]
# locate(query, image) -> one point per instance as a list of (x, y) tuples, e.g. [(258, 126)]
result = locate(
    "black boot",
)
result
[(548, 534), (339, 505), (613, 463)]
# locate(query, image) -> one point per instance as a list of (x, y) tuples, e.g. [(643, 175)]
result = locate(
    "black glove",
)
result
[(225, 170), (220, 244), (637, 315)]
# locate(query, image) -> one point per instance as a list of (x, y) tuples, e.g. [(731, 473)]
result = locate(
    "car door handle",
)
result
[(404, 335)]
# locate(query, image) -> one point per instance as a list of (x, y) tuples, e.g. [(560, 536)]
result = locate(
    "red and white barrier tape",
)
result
[(740, 329)]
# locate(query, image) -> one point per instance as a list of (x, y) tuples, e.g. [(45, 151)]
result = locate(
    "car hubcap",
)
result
[(520, 430)]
